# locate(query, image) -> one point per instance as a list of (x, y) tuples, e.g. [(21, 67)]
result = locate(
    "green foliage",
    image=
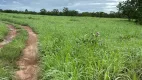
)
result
[(10, 53), (132, 9), (71, 49), (43, 11), (89, 39), (3, 31), (67, 12)]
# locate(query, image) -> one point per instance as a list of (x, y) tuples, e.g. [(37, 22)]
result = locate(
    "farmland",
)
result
[(10, 53), (76, 48)]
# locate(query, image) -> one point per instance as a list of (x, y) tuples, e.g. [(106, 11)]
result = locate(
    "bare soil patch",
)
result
[(28, 68), (11, 35)]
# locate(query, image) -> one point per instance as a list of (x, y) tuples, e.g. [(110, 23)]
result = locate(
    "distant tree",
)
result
[(93, 14), (65, 11), (112, 14), (72, 13), (26, 11), (32, 12), (1, 10), (102, 14), (55, 12), (85, 14), (61, 14), (43, 11)]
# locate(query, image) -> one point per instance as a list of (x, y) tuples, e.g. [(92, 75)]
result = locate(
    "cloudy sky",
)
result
[(80, 5)]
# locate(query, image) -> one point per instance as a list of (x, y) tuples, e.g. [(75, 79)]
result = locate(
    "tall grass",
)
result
[(10, 53), (71, 49), (3, 31)]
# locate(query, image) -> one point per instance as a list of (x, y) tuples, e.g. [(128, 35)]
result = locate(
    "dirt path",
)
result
[(12, 34), (28, 62)]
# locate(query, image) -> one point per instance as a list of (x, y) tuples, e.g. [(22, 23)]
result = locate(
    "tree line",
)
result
[(131, 9), (67, 12)]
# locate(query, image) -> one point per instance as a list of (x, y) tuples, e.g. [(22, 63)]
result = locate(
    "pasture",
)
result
[(76, 48)]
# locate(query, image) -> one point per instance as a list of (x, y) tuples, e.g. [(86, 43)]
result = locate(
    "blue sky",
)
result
[(80, 5)]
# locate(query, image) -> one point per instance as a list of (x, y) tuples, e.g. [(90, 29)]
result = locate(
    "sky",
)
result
[(79, 5)]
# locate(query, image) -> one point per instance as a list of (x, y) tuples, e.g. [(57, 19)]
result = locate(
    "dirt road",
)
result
[(28, 68), (11, 35)]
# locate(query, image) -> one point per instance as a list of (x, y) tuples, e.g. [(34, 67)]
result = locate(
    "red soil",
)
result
[(28, 68), (12, 34)]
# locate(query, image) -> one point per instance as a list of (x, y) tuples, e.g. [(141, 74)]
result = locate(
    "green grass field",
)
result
[(83, 48), (3, 31), (10, 53)]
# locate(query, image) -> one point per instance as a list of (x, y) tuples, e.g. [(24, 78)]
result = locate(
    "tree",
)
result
[(65, 11), (72, 13), (127, 8), (1, 10), (85, 14), (55, 12), (112, 14), (26, 11), (43, 11), (139, 11), (132, 9)]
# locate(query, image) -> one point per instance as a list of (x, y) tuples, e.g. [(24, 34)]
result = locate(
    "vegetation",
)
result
[(85, 48), (132, 9), (78, 48), (67, 12), (3, 31), (11, 53)]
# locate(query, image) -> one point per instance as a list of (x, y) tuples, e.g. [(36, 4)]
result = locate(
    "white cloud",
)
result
[(116, 0), (95, 3), (16, 2), (111, 4), (80, 5)]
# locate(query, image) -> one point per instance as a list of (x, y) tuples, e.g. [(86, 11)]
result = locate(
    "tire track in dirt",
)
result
[(11, 35), (28, 68)]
